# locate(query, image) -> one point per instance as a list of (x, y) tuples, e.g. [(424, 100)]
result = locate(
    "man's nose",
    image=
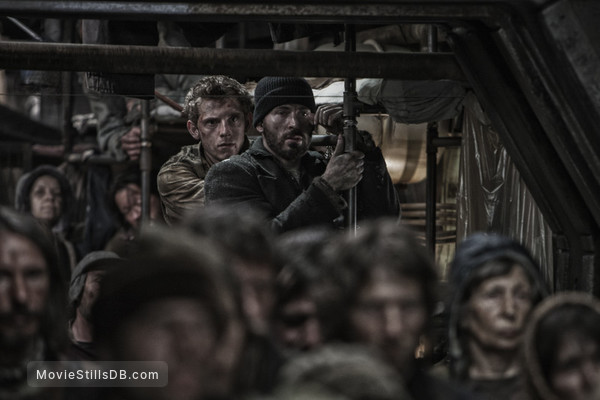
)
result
[(293, 120), (136, 211), (312, 333), (393, 321), (509, 305), (48, 194), (590, 372), (19, 290), (224, 128)]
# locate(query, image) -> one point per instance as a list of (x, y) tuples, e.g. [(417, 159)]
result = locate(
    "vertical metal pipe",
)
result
[(431, 188), (350, 126), (145, 160), (67, 89)]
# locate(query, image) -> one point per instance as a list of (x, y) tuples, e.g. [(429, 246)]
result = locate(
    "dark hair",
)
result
[(579, 319), (558, 315), (53, 320), (215, 87), (244, 235), (471, 264), (119, 182), (378, 244), (168, 263), (298, 252)]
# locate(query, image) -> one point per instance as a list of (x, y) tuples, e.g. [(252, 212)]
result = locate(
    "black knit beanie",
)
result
[(273, 91)]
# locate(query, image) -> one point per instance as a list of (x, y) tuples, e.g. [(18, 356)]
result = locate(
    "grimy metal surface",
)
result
[(181, 60), (363, 11)]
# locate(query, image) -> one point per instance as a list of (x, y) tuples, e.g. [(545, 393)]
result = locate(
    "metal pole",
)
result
[(145, 160), (350, 125), (431, 188), (122, 59)]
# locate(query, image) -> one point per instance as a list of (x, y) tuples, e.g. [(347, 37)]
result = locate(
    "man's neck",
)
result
[(492, 363)]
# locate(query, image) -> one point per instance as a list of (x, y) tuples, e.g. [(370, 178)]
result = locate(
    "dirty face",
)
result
[(129, 203), (24, 288), (495, 314), (257, 283), (91, 289), (178, 331), (287, 131), (220, 127), (390, 314), (46, 199), (297, 325), (576, 371)]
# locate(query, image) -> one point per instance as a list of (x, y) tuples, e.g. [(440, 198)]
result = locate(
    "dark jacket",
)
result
[(256, 181)]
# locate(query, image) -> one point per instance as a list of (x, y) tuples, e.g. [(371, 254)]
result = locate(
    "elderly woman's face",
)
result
[(496, 312), (46, 199)]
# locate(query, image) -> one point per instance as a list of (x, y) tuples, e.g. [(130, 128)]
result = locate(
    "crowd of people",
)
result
[(245, 282)]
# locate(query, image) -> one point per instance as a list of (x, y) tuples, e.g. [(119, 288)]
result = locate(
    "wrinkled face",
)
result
[(576, 372), (257, 282), (287, 131), (46, 199), (220, 128), (89, 296), (495, 315), (391, 315), (24, 288), (297, 325), (178, 331)]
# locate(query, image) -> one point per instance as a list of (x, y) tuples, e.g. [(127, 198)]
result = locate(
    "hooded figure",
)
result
[(494, 284), (32, 323), (86, 281), (35, 195), (562, 348), (23, 194)]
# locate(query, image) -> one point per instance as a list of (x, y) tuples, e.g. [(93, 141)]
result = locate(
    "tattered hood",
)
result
[(550, 307), (23, 191), (466, 273)]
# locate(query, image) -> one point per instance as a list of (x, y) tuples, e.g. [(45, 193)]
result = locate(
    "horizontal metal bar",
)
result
[(453, 141), (209, 61), (357, 11)]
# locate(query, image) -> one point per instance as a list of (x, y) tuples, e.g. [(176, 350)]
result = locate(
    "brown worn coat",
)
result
[(181, 181)]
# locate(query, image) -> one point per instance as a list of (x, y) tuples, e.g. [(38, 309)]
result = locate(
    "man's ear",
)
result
[(193, 130), (248, 121), (259, 127)]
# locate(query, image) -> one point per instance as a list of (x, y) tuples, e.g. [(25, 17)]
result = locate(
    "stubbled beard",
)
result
[(290, 153)]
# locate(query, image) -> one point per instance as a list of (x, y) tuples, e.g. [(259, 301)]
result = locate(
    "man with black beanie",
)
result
[(290, 185)]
